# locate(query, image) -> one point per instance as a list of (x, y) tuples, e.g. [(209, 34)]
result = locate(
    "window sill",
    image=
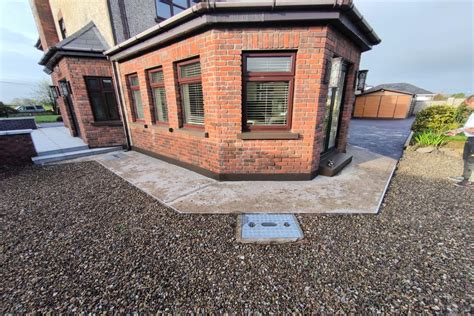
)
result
[(107, 123), (267, 135)]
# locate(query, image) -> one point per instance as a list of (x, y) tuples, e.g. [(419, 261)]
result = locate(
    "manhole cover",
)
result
[(269, 227), (114, 156)]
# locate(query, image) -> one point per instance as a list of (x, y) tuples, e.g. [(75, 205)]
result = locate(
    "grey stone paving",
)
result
[(384, 137)]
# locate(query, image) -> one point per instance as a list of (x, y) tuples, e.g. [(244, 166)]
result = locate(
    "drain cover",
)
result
[(113, 156), (269, 227)]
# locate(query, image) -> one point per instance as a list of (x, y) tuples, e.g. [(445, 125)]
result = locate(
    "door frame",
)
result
[(66, 93), (346, 65)]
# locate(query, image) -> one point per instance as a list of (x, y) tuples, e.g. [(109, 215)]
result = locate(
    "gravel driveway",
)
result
[(75, 238), (384, 137)]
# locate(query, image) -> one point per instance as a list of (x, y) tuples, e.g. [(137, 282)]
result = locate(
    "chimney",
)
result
[(45, 23)]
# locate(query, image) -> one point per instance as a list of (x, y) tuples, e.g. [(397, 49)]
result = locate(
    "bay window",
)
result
[(190, 86), (268, 90), (157, 86)]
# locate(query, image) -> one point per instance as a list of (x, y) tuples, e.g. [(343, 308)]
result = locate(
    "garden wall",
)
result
[(17, 147)]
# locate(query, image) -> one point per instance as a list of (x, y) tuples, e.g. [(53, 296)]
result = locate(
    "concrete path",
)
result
[(55, 139), (385, 137), (359, 188)]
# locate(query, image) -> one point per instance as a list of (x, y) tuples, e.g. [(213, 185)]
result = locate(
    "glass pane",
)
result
[(191, 70), (267, 103), (156, 77), (161, 107), (193, 104), (98, 107), (181, 3), (112, 106), (336, 111), (137, 101), (134, 81), (163, 9), (107, 84), (177, 10), (269, 64), (93, 84)]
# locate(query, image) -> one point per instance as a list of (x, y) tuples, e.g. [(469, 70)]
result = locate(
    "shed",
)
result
[(387, 101)]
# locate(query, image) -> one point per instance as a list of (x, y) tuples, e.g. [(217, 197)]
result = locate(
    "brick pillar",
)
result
[(45, 23)]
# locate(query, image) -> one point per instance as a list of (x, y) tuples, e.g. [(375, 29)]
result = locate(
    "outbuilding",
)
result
[(389, 101)]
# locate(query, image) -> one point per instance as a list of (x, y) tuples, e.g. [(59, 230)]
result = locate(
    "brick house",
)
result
[(242, 90)]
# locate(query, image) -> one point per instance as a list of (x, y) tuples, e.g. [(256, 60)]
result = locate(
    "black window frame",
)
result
[(172, 5), (102, 92), (62, 28)]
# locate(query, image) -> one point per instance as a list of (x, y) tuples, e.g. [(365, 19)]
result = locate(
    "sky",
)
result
[(429, 43)]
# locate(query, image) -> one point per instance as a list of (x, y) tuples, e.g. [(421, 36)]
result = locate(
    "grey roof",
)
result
[(86, 42), (401, 87), (88, 38)]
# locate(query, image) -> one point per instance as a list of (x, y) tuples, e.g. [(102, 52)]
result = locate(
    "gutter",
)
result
[(213, 6)]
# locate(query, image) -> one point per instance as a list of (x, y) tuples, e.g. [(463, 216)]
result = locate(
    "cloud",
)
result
[(427, 43)]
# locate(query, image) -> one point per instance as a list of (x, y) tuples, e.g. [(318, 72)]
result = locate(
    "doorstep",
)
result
[(358, 189)]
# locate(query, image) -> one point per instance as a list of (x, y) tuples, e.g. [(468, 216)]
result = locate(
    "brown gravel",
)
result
[(77, 238)]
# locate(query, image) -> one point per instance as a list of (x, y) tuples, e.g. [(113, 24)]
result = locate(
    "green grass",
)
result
[(457, 138), (46, 118)]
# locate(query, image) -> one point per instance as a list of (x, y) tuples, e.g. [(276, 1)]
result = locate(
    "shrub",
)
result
[(462, 113), (6, 111), (436, 119), (429, 139)]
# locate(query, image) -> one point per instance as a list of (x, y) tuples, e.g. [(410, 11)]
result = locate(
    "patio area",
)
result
[(359, 188)]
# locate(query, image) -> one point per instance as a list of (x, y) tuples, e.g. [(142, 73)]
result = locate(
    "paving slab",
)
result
[(359, 188), (54, 139)]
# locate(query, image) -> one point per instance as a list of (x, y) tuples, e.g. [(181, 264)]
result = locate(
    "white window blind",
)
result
[(267, 103), (161, 107), (269, 64), (191, 70), (193, 104), (137, 101)]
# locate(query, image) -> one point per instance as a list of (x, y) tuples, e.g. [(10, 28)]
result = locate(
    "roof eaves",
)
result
[(345, 6)]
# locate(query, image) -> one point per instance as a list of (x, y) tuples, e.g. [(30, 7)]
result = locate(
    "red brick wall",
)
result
[(44, 23), (74, 70), (16, 149), (220, 52)]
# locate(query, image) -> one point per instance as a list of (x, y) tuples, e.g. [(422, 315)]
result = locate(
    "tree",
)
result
[(458, 95), (42, 95), (23, 101)]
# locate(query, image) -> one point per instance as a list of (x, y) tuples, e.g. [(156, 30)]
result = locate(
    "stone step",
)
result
[(333, 163), (63, 150), (41, 160)]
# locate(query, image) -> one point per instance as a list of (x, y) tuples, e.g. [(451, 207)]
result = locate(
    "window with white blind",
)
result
[(192, 102), (157, 86), (268, 90), (137, 105)]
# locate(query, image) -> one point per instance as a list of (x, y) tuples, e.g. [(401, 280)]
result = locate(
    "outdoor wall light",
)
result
[(54, 91), (361, 77)]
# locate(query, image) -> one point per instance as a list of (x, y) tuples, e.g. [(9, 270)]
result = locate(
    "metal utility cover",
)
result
[(114, 156), (269, 228)]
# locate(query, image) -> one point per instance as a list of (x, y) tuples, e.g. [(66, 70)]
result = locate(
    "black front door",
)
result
[(334, 108), (66, 93)]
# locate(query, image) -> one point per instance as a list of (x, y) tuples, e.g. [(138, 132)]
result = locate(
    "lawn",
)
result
[(77, 238), (46, 118)]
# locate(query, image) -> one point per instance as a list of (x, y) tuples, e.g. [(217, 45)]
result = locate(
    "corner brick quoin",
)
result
[(220, 53), (16, 150)]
